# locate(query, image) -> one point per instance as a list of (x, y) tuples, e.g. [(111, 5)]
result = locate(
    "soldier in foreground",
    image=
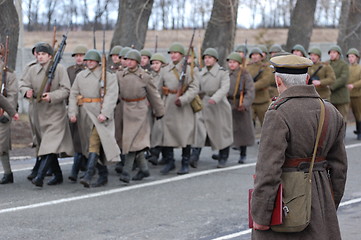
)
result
[(136, 90), (321, 74), (49, 114), (354, 86), (9, 89), (79, 159), (240, 96), (287, 143), (91, 103)]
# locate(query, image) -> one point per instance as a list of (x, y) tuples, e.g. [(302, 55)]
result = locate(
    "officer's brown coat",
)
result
[(243, 129), (217, 118), (355, 79), (50, 121), (133, 87), (87, 84), (289, 132), (178, 122), (326, 76), (12, 98)]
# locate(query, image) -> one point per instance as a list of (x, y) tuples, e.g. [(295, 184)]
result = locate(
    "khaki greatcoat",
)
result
[(156, 125), (243, 128), (87, 84), (326, 76), (178, 122), (217, 118), (49, 119), (12, 97), (133, 87), (289, 132)]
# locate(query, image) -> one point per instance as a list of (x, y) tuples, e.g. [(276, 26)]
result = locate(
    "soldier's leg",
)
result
[(243, 154), (143, 167), (154, 155), (128, 165), (343, 109), (94, 151), (45, 163), (8, 175), (76, 167), (103, 175), (193, 161), (186, 154), (55, 167), (34, 171), (168, 154), (223, 157), (356, 110)]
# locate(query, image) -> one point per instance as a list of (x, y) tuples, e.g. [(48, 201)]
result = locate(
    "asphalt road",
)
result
[(208, 203)]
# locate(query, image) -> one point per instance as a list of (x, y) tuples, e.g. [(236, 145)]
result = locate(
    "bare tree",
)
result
[(9, 27), (132, 23), (350, 25), (223, 20), (302, 21), (50, 8)]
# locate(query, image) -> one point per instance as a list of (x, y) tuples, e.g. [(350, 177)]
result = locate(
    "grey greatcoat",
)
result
[(214, 84), (289, 132), (156, 125), (87, 84), (137, 91), (178, 122), (12, 98), (49, 119), (243, 128)]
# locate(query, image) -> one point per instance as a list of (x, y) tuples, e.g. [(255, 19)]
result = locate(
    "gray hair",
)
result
[(292, 79)]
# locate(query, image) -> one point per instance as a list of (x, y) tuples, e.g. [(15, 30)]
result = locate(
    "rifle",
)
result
[(200, 63), (184, 68), (156, 44), (3, 89), (242, 91), (313, 76), (54, 36), (53, 65), (94, 40), (5, 68), (103, 81)]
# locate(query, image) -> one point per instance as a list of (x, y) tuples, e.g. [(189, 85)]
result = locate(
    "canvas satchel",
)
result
[(297, 188)]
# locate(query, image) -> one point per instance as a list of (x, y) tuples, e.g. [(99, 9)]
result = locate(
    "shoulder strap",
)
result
[(319, 130)]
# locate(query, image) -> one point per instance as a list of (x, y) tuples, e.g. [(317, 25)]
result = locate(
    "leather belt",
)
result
[(81, 100), (295, 162), (166, 91), (134, 99)]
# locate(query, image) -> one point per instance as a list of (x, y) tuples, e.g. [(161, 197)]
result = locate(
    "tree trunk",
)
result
[(9, 27), (302, 20), (350, 25), (223, 20), (132, 23)]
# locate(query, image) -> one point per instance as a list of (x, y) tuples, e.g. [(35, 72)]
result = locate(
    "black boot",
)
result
[(163, 160), (34, 171), (358, 130), (186, 153), (119, 166), (83, 163), (154, 155), (76, 167), (243, 154), (7, 178), (45, 163), (169, 156), (103, 175), (128, 165), (92, 161), (140, 175), (58, 175), (193, 160), (223, 156), (215, 157)]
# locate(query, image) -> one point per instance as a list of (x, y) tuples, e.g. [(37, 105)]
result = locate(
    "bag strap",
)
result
[(319, 130)]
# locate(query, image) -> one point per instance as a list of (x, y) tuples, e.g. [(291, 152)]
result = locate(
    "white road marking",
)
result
[(124, 189)]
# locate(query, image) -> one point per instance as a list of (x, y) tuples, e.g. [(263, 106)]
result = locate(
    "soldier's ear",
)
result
[(278, 80), (307, 78)]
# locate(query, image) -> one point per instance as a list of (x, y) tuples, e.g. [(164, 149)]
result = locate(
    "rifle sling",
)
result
[(318, 69), (41, 90), (236, 88)]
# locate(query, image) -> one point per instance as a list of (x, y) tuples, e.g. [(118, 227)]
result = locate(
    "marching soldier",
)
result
[(264, 53), (49, 114), (136, 89), (158, 62), (299, 50), (340, 96), (275, 49), (91, 103), (178, 121), (79, 159), (114, 56), (261, 74), (321, 74), (216, 112), (145, 59), (354, 86), (240, 96), (242, 50), (9, 89)]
